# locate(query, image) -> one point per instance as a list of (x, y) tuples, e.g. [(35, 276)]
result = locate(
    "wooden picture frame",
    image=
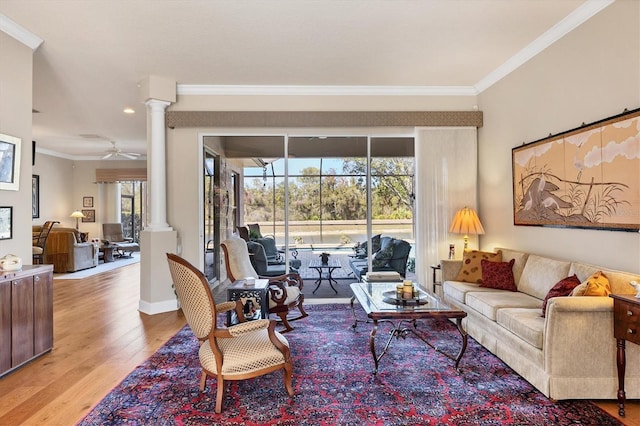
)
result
[(87, 201), (6, 223), (89, 215), (10, 150), (35, 196), (588, 177)]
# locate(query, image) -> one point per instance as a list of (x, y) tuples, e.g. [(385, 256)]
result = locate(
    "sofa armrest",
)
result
[(578, 337), (450, 269)]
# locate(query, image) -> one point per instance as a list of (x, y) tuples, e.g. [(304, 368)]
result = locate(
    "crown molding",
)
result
[(559, 30), (291, 90), (18, 32)]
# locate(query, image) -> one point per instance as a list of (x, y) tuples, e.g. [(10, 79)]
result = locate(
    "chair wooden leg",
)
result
[(302, 311), (219, 394), (288, 374), (285, 322), (203, 380)]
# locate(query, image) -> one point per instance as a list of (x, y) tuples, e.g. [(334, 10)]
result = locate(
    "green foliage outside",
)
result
[(334, 196)]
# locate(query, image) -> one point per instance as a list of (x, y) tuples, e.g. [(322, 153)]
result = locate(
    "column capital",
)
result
[(156, 104)]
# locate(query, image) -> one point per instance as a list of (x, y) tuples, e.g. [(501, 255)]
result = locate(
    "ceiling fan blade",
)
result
[(128, 155), (107, 156)]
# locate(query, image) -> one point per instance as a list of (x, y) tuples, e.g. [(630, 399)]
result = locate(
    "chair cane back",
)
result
[(242, 351)]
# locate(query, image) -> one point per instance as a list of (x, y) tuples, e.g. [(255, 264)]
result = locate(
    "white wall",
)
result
[(56, 198), (590, 74), (15, 120)]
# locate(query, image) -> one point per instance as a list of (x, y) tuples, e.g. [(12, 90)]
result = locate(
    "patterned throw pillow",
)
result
[(498, 275), (564, 287), (596, 285), (382, 257), (471, 270)]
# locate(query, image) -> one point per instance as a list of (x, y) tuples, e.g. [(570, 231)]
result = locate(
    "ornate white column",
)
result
[(156, 166)]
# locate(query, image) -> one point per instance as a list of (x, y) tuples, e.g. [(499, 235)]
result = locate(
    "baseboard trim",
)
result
[(157, 307)]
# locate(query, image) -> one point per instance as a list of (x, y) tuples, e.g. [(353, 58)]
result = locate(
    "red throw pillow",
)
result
[(562, 288), (498, 275)]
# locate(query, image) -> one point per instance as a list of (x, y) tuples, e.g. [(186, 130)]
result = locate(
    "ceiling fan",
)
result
[(115, 152)]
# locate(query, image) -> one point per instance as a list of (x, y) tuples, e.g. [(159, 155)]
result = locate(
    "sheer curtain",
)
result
[(446, 180)]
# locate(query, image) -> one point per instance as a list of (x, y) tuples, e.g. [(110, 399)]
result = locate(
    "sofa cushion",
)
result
[(562, 288), (457, 290), (488, 303), (498, 275), (525, 323), (520, 260), (540, 274), (471, 269), (596, 285)]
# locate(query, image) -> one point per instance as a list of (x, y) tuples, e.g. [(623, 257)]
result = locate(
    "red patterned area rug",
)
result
[(334, 384)]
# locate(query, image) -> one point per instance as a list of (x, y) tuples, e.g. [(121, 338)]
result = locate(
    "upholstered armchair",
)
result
[(113, 233), (285, 291), (239, 352)]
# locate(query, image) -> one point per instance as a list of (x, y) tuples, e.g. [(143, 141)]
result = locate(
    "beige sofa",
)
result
[(568, 354), (66, 253)]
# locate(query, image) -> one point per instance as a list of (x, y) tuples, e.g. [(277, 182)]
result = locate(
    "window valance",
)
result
[(120, 175)]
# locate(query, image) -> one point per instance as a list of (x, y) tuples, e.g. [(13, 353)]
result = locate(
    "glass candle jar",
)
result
[(399, 290), (407, 290)]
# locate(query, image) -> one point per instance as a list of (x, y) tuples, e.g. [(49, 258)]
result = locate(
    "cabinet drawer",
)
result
[(626, 321)]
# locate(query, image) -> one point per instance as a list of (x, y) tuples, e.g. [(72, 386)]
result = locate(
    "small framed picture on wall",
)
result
[(89, 215), (87, 201), (6, 223)]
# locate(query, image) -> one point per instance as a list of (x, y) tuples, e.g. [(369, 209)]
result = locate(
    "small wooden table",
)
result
[(254, 300), (107, 252), (626, 327)]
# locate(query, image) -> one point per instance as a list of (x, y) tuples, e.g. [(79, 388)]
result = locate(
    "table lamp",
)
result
[(466, 222), (77, 215)]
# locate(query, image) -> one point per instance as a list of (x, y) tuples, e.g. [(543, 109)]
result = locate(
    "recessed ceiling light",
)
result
[(129, 111)]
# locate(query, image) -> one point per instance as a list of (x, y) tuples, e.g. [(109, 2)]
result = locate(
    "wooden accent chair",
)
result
[(113, 233), (242, 351), (285, 291), (40, 241)]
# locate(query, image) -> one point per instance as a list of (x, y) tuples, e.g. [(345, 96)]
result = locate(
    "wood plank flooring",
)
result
[(99, 337)]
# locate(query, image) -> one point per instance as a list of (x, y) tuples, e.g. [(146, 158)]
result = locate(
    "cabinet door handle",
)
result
[(36, 278), (629, 313), (630, 331)]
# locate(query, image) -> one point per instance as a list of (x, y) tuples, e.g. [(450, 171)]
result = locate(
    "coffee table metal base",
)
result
[(400, 329)]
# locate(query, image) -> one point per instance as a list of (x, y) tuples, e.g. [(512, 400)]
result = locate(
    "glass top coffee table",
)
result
[(380, 304)]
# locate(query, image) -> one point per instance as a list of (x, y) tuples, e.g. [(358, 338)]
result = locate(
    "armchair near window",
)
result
[(113, 233), (242, 351), (285, 290)]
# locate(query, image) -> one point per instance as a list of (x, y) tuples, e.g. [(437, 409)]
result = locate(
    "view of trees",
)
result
[(334, 194)]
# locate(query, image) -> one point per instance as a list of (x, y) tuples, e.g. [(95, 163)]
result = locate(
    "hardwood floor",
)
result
[(99, 337)]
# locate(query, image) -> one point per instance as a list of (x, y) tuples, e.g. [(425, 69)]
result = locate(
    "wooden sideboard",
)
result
[(26, 315), (626, 327)]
